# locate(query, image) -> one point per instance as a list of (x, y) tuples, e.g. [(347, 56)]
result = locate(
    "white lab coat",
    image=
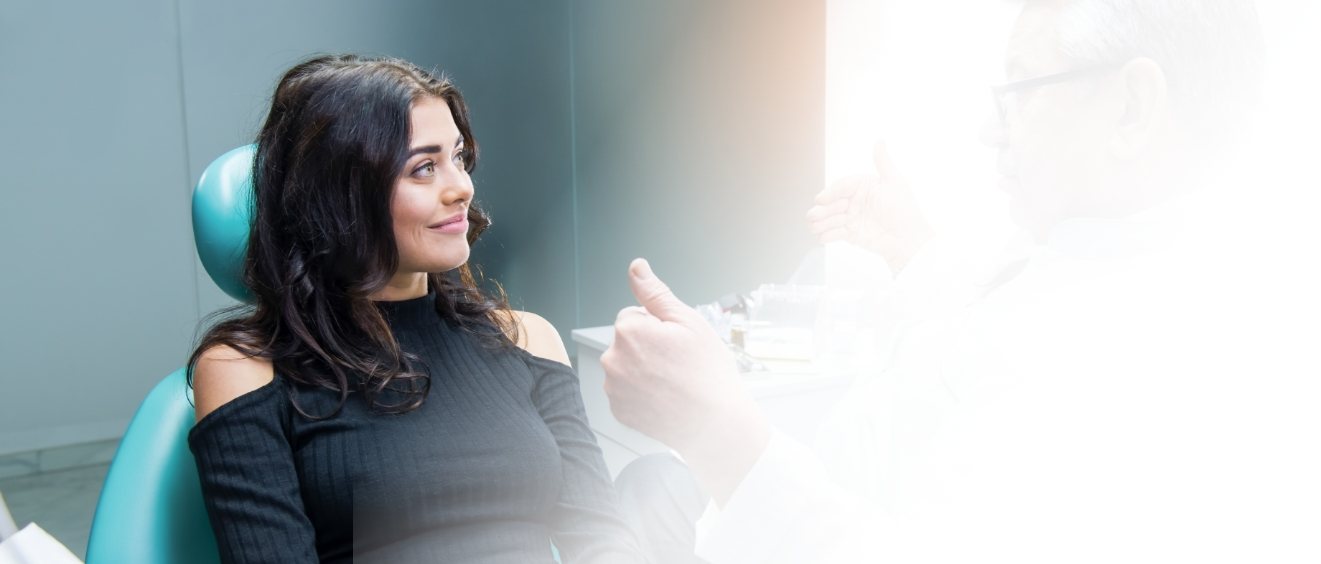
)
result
[(1144, 390)]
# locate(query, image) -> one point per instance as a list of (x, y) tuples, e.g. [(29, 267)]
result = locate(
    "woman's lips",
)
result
[(456, 224)]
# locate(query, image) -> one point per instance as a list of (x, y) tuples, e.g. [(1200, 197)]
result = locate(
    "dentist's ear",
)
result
[(1144, 108)]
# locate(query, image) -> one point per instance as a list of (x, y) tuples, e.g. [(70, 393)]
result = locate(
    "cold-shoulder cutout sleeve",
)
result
[(537, 336), (249, 481)]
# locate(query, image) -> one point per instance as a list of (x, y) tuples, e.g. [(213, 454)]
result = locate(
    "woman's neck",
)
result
[(403, 286)]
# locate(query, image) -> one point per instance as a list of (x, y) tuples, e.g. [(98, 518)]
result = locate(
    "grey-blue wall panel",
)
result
[(98, 289)]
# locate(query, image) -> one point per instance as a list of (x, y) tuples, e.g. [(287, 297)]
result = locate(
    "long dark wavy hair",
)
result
[(322, 241)]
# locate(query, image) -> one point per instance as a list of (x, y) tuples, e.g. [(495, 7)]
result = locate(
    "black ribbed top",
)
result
[(496, 464)]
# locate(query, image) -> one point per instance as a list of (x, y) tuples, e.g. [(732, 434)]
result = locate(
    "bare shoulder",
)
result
[(539, 337), (223, 374)]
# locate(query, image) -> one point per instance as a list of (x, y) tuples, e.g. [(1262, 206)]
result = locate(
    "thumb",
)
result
[(654, 295)]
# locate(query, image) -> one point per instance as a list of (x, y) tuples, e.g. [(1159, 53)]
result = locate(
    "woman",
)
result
[(374, 404)]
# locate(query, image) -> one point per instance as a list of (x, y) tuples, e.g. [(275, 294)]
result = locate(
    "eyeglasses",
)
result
[(1000, 93)]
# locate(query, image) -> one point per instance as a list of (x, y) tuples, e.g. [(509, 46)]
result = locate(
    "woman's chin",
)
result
[(449, 263)]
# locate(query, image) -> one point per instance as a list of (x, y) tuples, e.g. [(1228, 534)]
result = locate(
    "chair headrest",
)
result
[(222, 216)]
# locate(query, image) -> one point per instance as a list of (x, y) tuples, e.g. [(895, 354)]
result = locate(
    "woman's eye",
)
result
[(427, 169), (460, 157)]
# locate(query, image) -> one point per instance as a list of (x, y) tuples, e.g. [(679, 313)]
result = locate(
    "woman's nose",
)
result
[(458, 187)]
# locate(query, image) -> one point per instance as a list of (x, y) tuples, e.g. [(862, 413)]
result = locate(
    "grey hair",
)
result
[(1210, 51)]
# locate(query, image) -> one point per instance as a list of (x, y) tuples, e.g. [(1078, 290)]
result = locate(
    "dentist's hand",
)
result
[(671, 377), (876, 212)]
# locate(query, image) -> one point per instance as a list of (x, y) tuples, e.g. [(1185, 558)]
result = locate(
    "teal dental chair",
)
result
[(151, 511)]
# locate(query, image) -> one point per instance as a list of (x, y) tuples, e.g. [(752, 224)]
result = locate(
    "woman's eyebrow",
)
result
[(458, 142), (423, 149)]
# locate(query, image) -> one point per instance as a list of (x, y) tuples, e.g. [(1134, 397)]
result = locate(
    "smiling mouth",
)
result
[(455, 225), (458, 218)]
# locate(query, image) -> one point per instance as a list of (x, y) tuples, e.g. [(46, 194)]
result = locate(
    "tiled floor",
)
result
[(61, 502)]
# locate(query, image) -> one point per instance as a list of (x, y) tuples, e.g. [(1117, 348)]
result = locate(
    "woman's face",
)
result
[(430, 202)]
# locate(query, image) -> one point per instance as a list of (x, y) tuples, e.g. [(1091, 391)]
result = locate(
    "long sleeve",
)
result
[(587, 526), (249, 482)]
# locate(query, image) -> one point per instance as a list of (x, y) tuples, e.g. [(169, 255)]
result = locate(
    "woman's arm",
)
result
[(244, 461), (586, 525)]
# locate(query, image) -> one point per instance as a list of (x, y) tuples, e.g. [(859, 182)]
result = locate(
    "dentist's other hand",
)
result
[(671, 377), (876, 212)]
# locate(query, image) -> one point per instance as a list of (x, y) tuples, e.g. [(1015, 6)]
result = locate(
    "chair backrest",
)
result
[(151, 510)]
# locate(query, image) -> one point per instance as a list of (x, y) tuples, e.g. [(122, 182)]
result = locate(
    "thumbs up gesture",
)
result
[(671, 377)]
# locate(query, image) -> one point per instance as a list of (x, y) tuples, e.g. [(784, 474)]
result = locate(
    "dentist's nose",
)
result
[(994, 133)]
